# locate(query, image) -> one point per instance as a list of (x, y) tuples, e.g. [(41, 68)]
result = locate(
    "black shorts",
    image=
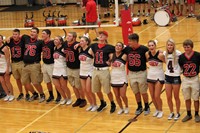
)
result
[(85, 77), (2, 74), (172, 80), (154, 81), (141, 1), (58, 77), (119, 85)]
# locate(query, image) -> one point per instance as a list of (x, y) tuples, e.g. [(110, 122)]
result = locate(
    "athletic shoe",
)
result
[(89, 108), (69, 101), (94, 108), (27, 97), (147, 111), (83, 103), (6, 98), (138, 111), (171, 115), (138, 14), (143, 14), (102, 106), (193, 15), (11, 98), (113, 107), (189, 15), (34, 97), (2, 95), (177, 116), (21, 96), (155, 113), (57, 99), (160, 114), (148, 14), (187, 118), (64, 101), (120, 111), (126, 110), (42, 98), (197, 118), (77, 103), (49, 99)]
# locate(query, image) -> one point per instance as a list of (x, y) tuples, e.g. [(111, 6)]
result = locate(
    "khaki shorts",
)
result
[(73, 77), (47, 70), (31, 73), (138, 81), (101, 78), (17, 69), (190, 88)]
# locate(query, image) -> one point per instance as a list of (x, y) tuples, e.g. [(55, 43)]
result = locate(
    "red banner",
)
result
[(127, 28)]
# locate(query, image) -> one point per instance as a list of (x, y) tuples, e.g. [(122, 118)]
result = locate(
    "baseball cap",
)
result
[(104, 32)]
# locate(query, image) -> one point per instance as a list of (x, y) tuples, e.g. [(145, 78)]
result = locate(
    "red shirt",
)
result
[(91, 11)]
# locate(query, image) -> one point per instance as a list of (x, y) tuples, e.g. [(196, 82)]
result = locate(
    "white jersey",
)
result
[(172, 69), (118, 72), (60, 67), (86, 63), (3, 63), (155, 71)]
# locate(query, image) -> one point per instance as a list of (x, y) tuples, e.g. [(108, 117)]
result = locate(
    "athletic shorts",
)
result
[(172, 80)]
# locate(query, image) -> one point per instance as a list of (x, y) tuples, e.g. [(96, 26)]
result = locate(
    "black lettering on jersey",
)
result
[(170, 67)]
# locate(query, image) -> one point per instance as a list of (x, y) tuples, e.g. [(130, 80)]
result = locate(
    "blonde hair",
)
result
[(174, 51)]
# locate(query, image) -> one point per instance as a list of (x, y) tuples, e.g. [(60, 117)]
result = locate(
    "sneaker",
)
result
[(69, 101), (83, 103), (189, 15), (27, 97), (42, 98), (64, 101), (160, 114), (120, 111), (138, 14), (77, 103), (143, 14), (89, 108), (147, 111), (11, 98), (148, 14), (113, 107), (102, 107), (171, 115), (193, 15), (94, 108), (177, 116), (186, 118), (57, 99), (34, 97), (126, 110), (21, 96), (138, 111), (49, 99), (155, 113), (2, 95), (96, 39), (6, 98), (197, 118)]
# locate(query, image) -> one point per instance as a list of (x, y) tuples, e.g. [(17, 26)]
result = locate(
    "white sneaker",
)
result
[(94, 108), (171, 115), (155, 113), (11, 98), (177, 116), (69, 101), (126, 110), (120, 111), (160, 114), (138, 14), (89, 108), (6, 98), (64, 101), (148, 14)]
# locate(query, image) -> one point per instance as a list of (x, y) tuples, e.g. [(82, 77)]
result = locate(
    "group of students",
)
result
[(87, 68)]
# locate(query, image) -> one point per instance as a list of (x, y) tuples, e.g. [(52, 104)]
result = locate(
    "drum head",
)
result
[(162, 18)]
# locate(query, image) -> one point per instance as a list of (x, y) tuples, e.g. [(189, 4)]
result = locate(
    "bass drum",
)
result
[(162, 17)]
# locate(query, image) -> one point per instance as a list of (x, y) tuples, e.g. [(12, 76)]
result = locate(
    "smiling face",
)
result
[(170, 47), (188, 49), (102, 37), (152, 46), (16, 36), (33, 34), (83, 42), (44, 35), (118, 47), (57, 41)]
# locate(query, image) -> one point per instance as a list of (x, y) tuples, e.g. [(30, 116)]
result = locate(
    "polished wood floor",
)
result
[(31, 117)]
